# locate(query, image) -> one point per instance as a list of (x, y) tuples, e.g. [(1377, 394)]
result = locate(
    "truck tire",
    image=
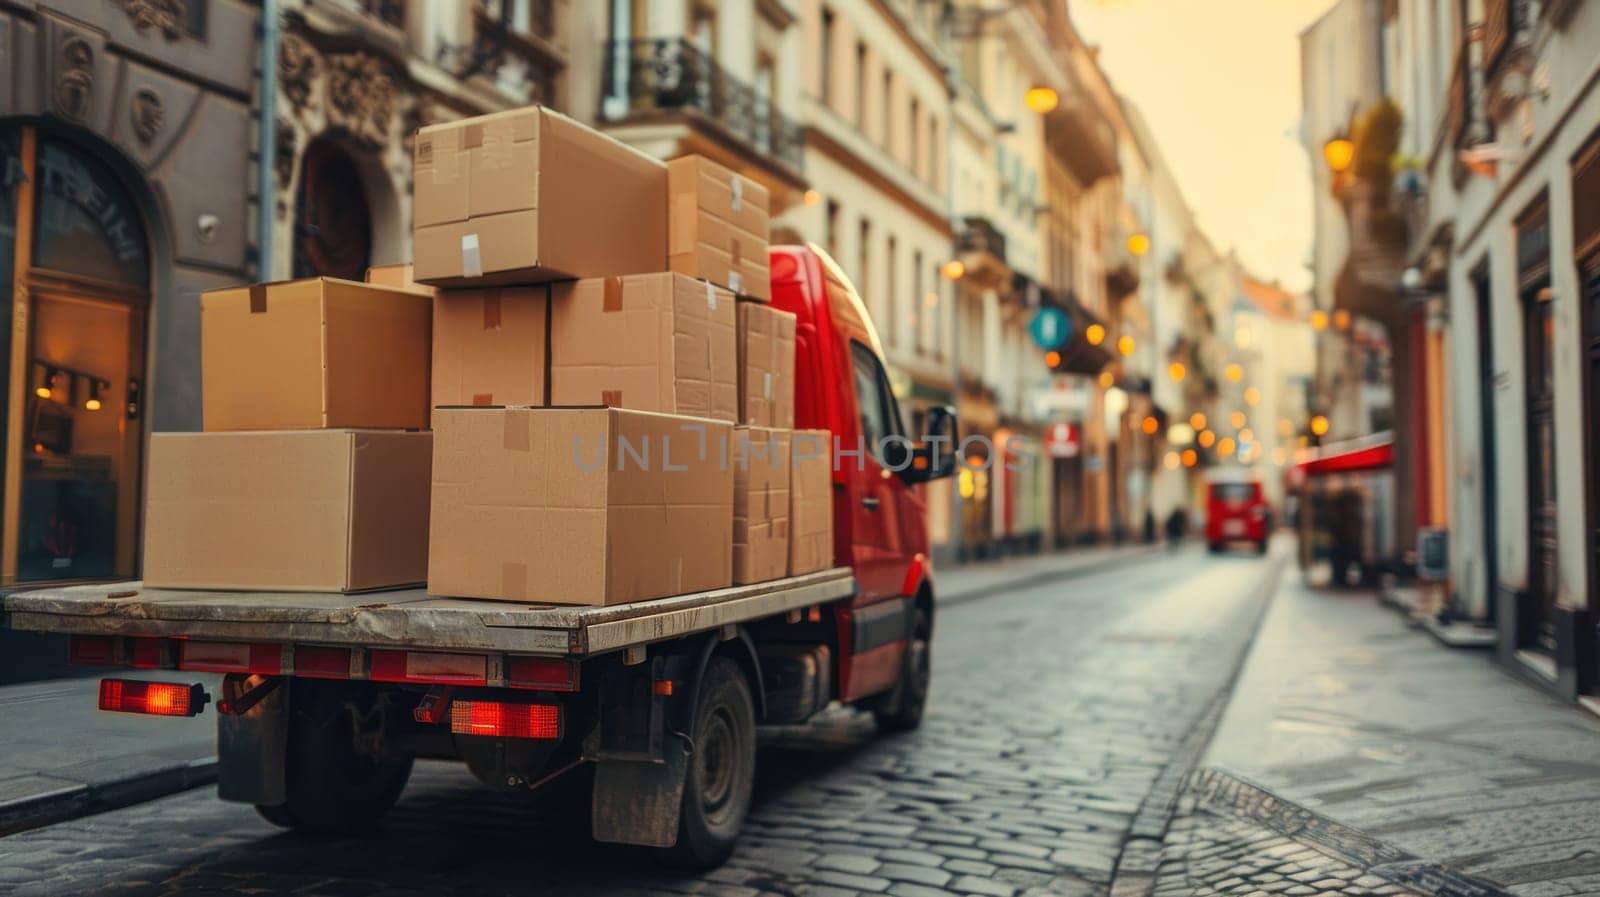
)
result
[(901, 710), (332, 787), (721, 774)]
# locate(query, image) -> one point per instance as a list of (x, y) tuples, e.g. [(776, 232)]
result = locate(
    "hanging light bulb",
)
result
[(51, 378), (92, 403)]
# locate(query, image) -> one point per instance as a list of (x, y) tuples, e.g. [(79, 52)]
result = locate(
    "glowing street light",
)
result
[(813, 198), (1150, 425), (1234, 372), (1095, 334), (1125, 345), (1176, 371), (1041, 99), (1052, 359), (1139, 244), (1190, 458), (1237, 419), (1197, 420), (953, 270), (1106, 379), (1319, 320), (1319, 426), (1339, 153), (1206, 438), (1252, 396)]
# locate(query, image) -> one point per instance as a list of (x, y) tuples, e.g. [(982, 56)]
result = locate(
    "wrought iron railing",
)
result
[(670, 74), (980, 235)]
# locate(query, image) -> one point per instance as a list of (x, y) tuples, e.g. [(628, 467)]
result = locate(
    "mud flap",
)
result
[(252, 747), (639, 802)]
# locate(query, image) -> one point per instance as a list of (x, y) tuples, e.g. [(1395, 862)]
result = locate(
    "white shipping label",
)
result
[(735, 281), (471, 261), (711, 296), (738, 192)]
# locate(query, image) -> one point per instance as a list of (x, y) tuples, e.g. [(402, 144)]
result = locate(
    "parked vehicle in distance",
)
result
[(328, 698), (1236, 511)]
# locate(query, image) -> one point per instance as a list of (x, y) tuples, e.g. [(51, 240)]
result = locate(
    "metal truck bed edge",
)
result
[(410, 618)]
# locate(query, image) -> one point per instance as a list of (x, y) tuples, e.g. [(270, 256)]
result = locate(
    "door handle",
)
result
[(870, 503)]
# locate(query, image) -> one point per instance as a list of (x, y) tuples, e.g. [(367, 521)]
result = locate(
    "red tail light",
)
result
[(542, 674), (503, 720), (152, 698), (92, 650)]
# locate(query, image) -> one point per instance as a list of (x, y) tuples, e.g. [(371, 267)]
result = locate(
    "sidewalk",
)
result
[(64, 758), (1386, 761), (959, 584)]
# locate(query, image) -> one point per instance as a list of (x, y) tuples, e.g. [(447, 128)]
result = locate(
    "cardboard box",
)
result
[(489, 346), (651, 342), (527, 508), (811, 502), (760, 459), (398, 277), (292, 510), (766, 366), (313, 353), (720, 226), (529, 196)]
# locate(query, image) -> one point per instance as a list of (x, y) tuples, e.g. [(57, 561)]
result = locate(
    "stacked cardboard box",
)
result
[(583, 376), (313, 471), (720, 226)]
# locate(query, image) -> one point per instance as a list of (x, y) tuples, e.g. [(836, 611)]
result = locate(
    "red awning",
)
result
[(1374, 452)]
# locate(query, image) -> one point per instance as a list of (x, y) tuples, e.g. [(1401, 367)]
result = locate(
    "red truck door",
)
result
[(881, 558)]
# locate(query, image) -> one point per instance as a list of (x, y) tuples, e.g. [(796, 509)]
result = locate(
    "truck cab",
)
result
[(1237, 511), (879, 504)]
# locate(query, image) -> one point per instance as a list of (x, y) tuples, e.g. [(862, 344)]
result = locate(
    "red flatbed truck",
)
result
[(328, 698)]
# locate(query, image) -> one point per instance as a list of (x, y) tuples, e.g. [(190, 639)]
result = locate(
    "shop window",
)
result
[(333, 227), (85, 223)]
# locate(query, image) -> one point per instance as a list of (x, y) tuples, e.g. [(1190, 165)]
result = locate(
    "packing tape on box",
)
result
[(258, 298), (711, 296), (491, 309), (735, 283), (513, 580), (472, 136), (738, 192), (514, 437), (482, 399), (471, 261), (766, 385), (612, 300)]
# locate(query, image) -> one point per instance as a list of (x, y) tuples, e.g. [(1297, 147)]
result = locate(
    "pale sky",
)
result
[(1218, 81)]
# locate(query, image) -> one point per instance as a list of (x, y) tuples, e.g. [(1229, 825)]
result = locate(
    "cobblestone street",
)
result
[(1055, 711)]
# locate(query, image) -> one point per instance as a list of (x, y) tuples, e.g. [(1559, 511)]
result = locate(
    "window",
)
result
[(86, 224), (914, 158), (334, 226), (861, 86), (764, 90), (876, 405), (825, 60), (886, 107), (863, 253), (831, 238), (916, 297), (892, 296)]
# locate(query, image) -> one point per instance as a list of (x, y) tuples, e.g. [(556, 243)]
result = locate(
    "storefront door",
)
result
[(1538, 334), (79, 297)]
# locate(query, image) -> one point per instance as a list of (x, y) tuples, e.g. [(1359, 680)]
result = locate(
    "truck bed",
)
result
[(410, 618)]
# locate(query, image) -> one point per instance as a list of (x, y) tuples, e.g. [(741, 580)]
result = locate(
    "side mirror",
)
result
[(935, 457)]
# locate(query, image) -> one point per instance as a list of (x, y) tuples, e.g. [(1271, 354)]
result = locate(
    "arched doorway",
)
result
[(74, 253), (333, 222)]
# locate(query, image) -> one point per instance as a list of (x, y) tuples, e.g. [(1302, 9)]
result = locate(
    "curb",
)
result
[(1135, 872), (1032, 579), (76, 801)]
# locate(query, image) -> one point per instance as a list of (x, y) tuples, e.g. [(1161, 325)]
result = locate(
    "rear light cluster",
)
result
[(152, 698), (504, 720), (327, 662)]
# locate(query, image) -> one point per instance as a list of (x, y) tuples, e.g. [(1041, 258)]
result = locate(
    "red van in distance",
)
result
[(1237, 512)]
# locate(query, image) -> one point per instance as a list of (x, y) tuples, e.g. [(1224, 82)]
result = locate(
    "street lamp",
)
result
[(1176, 371), (1339, 153), (1319, 320), (1319, 426), (1095, 334), (1125, 344), (1139, 244), (953, 270), (1041, 99)]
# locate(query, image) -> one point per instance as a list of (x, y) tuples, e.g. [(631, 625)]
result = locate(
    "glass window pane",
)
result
[(10, 178), (85, 223)]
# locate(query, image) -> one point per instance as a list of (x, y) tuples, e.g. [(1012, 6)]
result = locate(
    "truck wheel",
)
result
[(721, 774), (902, 710), (332, 786)]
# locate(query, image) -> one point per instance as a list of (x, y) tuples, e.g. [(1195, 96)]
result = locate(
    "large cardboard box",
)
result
[(489, 346), (651, 342), (811, 502), (529, 196), (720, 226), (293, 510), (313, 353), (766, 366), (587, 506), (760, 459)]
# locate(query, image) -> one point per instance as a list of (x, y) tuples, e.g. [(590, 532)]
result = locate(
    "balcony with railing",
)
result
[(982, 250), (671, 79)]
